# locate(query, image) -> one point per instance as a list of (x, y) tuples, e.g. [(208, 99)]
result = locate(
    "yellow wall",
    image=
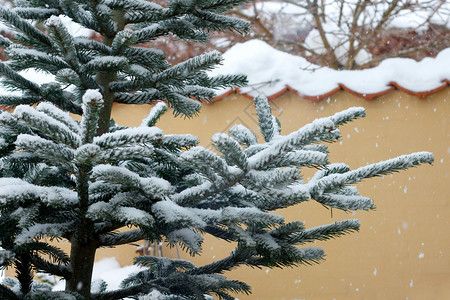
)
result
[(401, 251)]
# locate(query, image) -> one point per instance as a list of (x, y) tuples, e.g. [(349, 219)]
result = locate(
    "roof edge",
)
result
[(341, 87)]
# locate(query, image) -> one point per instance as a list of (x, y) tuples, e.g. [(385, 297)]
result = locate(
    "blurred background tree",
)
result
[(352, 34), (342, 34)]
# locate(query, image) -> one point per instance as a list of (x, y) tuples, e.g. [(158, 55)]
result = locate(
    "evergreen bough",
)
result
[(83, 180)]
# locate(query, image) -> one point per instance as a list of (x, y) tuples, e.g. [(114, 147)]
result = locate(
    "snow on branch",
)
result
[(231, 150), (250, 215), (243, 135), (267, 123), (188, 238), (129, 136), (210, 164), (193, 193), (202, 62), (172, 213), (348, 115), (152, 187), (306, 135), (345, 202), (324, 232), (377, 169), (59, 115), (53, 153), (38, 230), (155, 113), (44, 124), (92, 104)]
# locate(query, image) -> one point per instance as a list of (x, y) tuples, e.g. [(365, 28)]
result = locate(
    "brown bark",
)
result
[(82, 257)]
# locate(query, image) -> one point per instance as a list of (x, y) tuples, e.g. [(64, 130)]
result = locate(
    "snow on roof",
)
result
[(272, 72)]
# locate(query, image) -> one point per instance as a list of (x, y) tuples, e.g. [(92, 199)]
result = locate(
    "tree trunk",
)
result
[(84, 242), (82, 260), (104, 79)]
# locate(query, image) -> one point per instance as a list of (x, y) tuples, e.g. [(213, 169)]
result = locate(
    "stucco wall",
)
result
[(401, 251)]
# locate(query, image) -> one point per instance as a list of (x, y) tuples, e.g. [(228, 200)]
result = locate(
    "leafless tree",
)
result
[(351, 34), (341, 34)]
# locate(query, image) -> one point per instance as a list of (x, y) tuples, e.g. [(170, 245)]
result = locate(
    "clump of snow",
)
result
[(269, 71), (92, 95), (73, 28), (154, 295), (53, 21), (417, 19), (27, 235)]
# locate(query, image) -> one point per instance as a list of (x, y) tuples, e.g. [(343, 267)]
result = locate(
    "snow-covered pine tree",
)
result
[(82, 181)]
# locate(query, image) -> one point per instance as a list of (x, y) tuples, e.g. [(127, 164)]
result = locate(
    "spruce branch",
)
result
[(236, 258), (35, 13), (121, 238), (7, 293), (18, 80), (324, 232), (13, 101), (318, 187), (25, 27), (62, 270)]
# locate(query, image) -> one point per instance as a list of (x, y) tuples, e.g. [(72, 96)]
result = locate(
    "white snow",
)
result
[(92, 95), (73, 28), (133, 215), (270, 71), (27, 235), (59, 114), (134, 134), (154, 295), (109, 270), (160, 106), (170, 212)]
